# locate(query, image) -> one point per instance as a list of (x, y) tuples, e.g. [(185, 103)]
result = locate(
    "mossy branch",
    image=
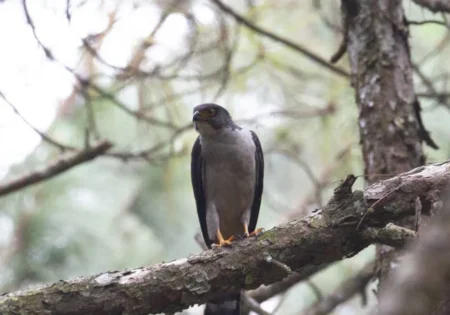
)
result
[(335, 232)]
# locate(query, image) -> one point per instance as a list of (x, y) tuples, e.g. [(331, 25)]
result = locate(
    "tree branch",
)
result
[(434, 5), (264, 293), (347, 290), (311, 55), (61, 164), (392, 235), (43, 135), (326, 236)]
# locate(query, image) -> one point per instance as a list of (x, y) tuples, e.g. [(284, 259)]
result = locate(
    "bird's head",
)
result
[(210, 119)]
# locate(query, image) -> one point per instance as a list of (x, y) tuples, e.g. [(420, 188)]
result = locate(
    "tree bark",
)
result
[(390, 125), (335, 232), (382, 77), (421, 281)]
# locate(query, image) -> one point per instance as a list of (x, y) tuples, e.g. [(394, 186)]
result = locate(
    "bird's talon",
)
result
[(256, 232), (226, 243), (222, 244)]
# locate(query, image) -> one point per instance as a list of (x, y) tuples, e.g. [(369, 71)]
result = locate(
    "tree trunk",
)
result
[(390, 126)]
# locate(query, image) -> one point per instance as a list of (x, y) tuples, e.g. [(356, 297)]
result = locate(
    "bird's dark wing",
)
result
[(259, 173), (197, 176)]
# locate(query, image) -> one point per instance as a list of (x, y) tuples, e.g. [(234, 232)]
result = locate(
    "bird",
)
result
[(227, 174)]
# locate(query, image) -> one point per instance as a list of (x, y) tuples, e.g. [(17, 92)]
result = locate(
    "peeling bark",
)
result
[(331, 234), (391, 129)]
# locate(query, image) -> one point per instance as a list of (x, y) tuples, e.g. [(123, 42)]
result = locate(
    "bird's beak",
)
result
[(196, 116)]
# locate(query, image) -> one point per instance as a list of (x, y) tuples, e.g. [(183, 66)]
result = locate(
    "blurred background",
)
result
[(75, 72)]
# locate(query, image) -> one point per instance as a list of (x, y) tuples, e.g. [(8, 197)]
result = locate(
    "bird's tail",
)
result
[(227, 305)]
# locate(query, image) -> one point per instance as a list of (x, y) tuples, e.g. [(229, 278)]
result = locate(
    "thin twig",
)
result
[(43, 135), (343, 45), (311, 55), (61, 164), (434, 5), (348, 289), (409, 22), (264, 293), (253, 305)]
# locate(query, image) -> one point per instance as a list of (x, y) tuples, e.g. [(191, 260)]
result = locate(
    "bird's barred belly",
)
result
[(229, 182), (230, 196)]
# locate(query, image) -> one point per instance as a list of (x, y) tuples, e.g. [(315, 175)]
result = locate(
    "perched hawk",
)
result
[(227, 171)]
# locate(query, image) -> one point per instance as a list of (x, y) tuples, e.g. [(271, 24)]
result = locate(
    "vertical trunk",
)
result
[(390, 127)]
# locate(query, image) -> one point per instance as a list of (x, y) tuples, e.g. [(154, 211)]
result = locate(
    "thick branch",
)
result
[(434, 5), (323, 237), (61, 164)]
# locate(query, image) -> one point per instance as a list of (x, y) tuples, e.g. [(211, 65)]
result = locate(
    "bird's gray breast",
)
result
[(230, 178)]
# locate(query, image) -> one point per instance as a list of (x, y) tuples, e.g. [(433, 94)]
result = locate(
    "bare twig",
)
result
[(315, 195), (266, 292), (434, 5), (429, 85), (311, 55), (347, 290), (253, 305), (409, 22), (437, 49), (136, 114), (342, 49), (139, 53), (440, 96), (316, 290), (301, 163), (146, 153), (112, 18), (228, 59), (306, 113), (61, 164), (43, 135)]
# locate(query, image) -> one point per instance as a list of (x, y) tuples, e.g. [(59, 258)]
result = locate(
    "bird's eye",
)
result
[(211, 112)]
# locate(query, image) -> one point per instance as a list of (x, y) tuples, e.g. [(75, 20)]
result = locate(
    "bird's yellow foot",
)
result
[(222, 241), (254, 233)]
